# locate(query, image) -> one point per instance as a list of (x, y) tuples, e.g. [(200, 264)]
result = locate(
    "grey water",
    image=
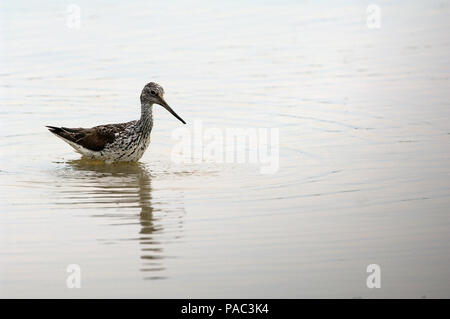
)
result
[(363, 173)]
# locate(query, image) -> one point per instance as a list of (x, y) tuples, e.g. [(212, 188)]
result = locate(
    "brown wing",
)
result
[(94, 139)]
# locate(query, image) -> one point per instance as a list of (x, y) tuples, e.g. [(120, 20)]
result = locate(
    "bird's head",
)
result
[(153, 93)]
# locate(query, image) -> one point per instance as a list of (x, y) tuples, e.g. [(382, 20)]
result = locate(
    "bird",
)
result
[(121, 142)]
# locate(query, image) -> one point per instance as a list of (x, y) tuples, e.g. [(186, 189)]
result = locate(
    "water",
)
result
[(363, 178)]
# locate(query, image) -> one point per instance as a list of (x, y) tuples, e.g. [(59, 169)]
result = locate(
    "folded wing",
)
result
[(94, 139)]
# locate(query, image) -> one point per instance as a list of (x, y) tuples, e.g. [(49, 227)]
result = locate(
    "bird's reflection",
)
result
[(126, 187)]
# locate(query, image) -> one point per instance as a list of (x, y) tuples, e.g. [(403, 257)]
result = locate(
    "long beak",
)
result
[(168, 108)]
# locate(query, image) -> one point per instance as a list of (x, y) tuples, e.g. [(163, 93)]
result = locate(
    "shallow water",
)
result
[(364, 170)]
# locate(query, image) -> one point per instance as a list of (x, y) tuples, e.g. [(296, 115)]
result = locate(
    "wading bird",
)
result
[(122, 142)]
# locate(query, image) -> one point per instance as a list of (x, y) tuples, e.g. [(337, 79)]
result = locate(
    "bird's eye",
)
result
[(153, 92)]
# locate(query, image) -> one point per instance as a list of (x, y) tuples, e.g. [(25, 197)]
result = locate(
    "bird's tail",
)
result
[(54, 129), (64, 134)]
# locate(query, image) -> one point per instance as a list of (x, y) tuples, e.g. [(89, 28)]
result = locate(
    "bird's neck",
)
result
[(146, 114)]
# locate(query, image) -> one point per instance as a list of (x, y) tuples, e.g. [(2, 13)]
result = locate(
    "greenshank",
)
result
[(122, 142)]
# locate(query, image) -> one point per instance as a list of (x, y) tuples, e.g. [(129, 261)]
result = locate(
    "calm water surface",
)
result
[(364, 171)]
